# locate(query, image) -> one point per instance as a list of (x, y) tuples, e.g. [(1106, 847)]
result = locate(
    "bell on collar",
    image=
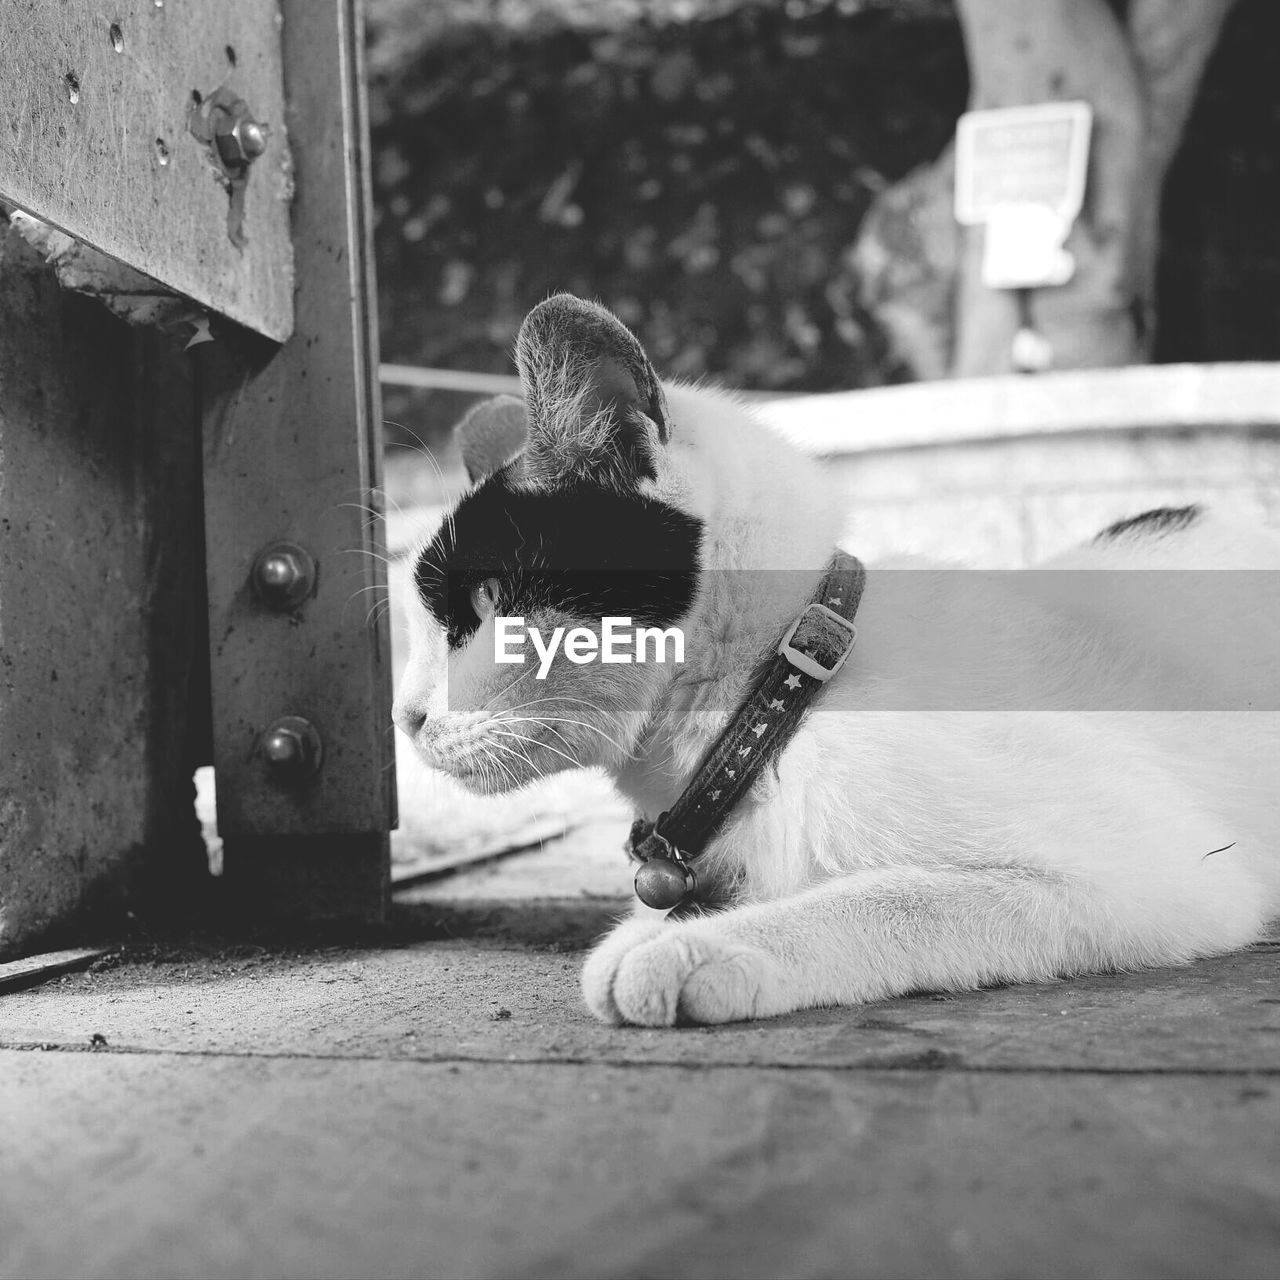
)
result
[(663, 883)]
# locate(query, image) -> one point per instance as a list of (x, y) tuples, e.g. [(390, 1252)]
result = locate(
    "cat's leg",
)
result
[(863, 937)]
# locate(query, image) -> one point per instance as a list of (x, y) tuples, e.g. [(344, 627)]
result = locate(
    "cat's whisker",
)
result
[(506, 688), (583, 724), (524, 759), (373, 513), (387, 496), (538, 813), (577, 764), (445, 494), (518, 752), (347, 604), (527, 719), (557, 698), (368, 551), (486, 753), (416, 447), (484, 766), (359, 591), (571, 760), (383, 604)]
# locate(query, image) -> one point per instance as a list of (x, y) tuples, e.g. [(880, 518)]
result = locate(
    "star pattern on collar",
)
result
[(699, 811)]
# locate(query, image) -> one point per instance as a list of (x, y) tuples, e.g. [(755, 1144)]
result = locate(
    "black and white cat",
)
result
[(898, 844)]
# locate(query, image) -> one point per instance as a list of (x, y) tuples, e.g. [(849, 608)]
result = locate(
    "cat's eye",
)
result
[(484, 598)]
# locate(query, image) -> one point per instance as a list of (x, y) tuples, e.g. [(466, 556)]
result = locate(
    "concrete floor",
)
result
[(443, 1106)]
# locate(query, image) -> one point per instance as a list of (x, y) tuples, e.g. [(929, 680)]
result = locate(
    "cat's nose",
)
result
[(410, 715)]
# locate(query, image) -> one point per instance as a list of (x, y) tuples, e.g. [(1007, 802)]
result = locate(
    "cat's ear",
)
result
[(596, 408), (490, 434)]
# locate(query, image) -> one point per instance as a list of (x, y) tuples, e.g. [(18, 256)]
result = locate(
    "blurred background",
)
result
[(705, 168)]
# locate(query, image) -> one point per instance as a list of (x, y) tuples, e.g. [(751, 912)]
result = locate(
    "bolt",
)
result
[(292, 749), (239, 137), (283, 575), (253, 138)]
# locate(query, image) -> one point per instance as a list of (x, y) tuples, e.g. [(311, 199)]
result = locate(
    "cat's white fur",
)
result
[(898, 848)]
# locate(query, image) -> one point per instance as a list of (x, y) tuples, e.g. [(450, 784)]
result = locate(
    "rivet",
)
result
[(283, 575), (292, 749)]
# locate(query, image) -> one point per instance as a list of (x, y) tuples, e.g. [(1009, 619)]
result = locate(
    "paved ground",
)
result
[(443, 1106)]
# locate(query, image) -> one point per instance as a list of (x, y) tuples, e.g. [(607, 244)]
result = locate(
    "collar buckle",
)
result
[(822, 633)]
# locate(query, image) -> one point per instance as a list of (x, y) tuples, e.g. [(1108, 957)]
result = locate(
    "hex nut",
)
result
[(240, 139), (292, 749), (283, 575)]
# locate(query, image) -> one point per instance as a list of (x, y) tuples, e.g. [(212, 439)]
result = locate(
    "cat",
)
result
[(938, 821)]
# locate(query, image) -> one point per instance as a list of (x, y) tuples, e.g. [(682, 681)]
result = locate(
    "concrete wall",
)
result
[(1002, 472), (1010, 503), (101, 616)]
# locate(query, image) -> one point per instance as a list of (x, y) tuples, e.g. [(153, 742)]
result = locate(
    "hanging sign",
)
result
[(1020, 171)]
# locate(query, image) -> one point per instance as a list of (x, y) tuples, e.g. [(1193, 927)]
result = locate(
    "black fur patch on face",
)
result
[(1154, 523), (582, 550)]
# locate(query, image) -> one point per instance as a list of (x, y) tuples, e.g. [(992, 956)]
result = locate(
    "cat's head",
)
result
[(574, 516)]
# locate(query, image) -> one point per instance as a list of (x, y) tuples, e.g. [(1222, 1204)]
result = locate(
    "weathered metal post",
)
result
[(292, 456), (200, 159)]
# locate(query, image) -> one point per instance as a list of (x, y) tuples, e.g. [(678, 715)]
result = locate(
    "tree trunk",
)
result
[(1170, 42), (1023, 51), (1141, 82)]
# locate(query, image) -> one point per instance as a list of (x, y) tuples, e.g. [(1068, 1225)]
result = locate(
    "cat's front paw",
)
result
[(652, 974), (602, 964)]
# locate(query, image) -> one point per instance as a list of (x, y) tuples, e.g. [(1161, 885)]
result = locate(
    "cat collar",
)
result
[(813, 649)]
